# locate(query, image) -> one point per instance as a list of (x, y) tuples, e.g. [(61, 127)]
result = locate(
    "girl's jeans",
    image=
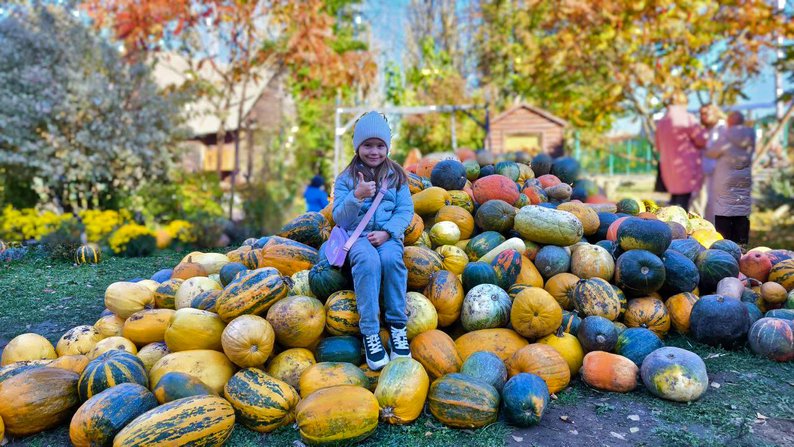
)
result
[(375, 269)]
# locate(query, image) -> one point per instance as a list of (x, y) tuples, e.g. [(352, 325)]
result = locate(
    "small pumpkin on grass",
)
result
[(675, 374)]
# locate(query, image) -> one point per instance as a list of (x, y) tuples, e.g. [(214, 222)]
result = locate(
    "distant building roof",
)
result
[(173, 70), (533, 109)]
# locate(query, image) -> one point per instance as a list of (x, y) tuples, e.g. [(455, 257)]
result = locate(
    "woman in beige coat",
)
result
[(732, 179)]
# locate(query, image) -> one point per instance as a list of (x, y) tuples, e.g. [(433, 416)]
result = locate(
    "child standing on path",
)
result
[(376, 257)]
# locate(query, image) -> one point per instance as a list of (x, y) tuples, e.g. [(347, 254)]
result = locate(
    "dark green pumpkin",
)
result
[(636, 343), (508, 169), (681, 274), (524, 398), (325, 280), (486, 170), (714, 265), (515, 289), (644, 234), (785, 314), (639, 273), (541, 164), (728, 246), (449, 174), (552, 260), (507, 266), (460, 401), (343, 348), (487, 367), (571, 322), (476, 273), (719, 321), (483, 243), (753, 311), (629, 206), (100, 418), (566, 169), (773, 338), (229, 272), (87, 254), (206, 300), (472, 170), (110, 369), (495, 215), (177, 385), (604, 221), (687, 247), (674, 374), (597, 334)]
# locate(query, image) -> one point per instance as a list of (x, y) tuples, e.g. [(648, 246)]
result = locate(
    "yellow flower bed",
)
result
[(120, 238), (25, 224), (99, 224), (181, 230)]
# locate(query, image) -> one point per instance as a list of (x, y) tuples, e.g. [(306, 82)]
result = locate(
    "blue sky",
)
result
[(388, 20)]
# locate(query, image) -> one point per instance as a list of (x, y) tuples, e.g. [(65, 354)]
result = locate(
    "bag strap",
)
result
[(367, 217)]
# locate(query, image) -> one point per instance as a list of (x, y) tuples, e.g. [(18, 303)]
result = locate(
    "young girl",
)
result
[(376, 257)]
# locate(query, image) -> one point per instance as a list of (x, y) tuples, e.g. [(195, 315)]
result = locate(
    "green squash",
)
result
[(486, 306), (636, 343), (343, 348), (487, 367), (495, 215), (772, 338), (714, 265), (524, 398), (595, 296), (449, 174), (548, 226), (482, 243), (177, 385), (507, 266), (460, 401), (639, 273), (229, 272), (476, 273), (110, 369), (325, 280), (100, 418), (597, 334), (681, 274), (644, 234)]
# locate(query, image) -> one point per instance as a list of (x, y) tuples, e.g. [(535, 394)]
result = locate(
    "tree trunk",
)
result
[(220, 139), (780, 126)]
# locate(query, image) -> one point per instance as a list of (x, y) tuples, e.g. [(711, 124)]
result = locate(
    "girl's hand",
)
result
[(364, 189), (376, 238)]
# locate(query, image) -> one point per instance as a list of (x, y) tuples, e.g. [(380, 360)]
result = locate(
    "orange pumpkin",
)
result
[(495, 187), (453, 258), (414, 230), (502, 342), (535, 313), (188, 269), (459, 216), (290, 364), (327, 374), (648, 312), (248, 341), (74, 363), (609, 372), (588, 216), (436, 351), (592, 261), (445, 291), (680, 306), (543, 361), (529, 274), (147, 326), (561, 287), (297, 320), (38, 399)]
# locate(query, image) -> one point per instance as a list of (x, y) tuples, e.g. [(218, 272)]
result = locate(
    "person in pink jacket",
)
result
[(679, 140)]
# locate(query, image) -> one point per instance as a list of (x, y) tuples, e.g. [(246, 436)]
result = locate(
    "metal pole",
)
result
[(452, 127), (337, 124), (628, 157), (647, 158), (779, 109)]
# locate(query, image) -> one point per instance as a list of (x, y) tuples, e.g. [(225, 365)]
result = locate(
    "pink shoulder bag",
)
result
[(339, 243)]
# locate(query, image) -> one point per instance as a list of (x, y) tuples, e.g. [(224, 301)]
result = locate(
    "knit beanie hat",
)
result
[(371, 125)]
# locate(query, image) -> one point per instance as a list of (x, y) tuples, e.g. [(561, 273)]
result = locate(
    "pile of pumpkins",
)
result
[(521, 276)]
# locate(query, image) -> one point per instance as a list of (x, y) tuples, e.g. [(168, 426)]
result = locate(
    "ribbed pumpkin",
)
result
[(483, 243), (636, 343), (297, 320), (495, 215), (324, 280), (650, 313), (287, 256), (485, 306), (28, 346), (502, 342), (713, 266), (165, 295), (430, 200), (248, 341), (717, 320), (568, 346), (341, 313), (151, 353), (570, 322), (675, 374), (772, 338), (535, 313), (609, 372), (414, 230), (401, 391), (592, 261), (109, 325), (460, 401), (190, 329), (783, 274), (260, 402), (639, 272), (595, 296), (74, 363), (309, 228), (422, 316), (251, 258), (147, 326), (78, 340), (110, 369), (37, 399), (211, 367), (437, 353), (178, 385), (462, 218), (494, 187), (341, 414), (328, 374), (421, 262), (252, 293), (462, 199), (195, 420), (679, 307), (544, 361), (290, 364), (100, 418), (562, 286), (125, 298), (110, 343), (453, 259)]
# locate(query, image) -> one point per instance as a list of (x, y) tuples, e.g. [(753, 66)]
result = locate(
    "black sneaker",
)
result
[(398, 339), (374, 352)]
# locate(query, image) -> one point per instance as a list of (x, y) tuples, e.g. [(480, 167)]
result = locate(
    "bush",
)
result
[(13, 254), (133, 240), (186, 196), (208, 229), (777, 190), (64, 241)]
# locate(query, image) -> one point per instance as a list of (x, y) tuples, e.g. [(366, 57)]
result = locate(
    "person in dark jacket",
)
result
[(315, 195)]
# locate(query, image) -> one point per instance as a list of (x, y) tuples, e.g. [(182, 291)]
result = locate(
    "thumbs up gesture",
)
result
[(364, 189)]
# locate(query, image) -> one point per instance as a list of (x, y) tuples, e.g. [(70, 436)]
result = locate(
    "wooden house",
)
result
[(527, 128)]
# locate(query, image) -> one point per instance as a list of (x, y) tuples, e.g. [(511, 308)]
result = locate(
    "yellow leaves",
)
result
[(99, 224), (25, 224), (118, 241)]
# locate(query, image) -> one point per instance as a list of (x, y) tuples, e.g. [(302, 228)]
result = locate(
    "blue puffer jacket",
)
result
[(392, 216)]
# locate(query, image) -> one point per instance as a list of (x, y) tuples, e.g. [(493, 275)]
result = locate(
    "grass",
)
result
[(49, 298)]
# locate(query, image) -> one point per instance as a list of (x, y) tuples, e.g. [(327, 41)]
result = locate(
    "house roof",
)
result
[(537, 110), (172, 70)]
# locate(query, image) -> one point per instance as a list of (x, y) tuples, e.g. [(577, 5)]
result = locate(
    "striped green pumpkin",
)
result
[(310, 228), (483, 243), (206, 300), (421, 263), (197, 421), (110, 369), (86, 254), (100, 418), (595, 296), (164, 296), (178, 385), (261, 403), (252, 293), (341, 313)]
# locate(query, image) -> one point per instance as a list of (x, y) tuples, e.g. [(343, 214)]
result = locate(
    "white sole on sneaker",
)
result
[(377, 366)]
